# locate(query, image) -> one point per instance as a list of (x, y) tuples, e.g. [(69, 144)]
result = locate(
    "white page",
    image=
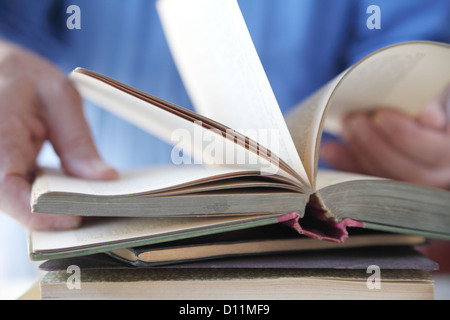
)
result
[(222, 72), (132, 182)]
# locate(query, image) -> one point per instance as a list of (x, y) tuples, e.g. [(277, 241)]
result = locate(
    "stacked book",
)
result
[(201, 258)]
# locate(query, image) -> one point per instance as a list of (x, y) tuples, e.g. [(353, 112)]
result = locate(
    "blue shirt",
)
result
[(301, 43)]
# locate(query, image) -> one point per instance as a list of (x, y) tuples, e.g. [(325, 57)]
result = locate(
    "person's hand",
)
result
[(38, 103), (390, 144)]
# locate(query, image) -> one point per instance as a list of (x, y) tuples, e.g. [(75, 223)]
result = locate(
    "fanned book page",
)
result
[(222, 72), (207, 141), (405, 76)]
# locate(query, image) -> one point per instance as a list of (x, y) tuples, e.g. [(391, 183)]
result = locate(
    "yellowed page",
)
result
[(328, 177), (304, 123), (406, 76), (223, 74), (168, 127), (206, 146)]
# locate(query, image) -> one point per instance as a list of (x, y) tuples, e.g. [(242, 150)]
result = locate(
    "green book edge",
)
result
[(392, 229), (101, 248)]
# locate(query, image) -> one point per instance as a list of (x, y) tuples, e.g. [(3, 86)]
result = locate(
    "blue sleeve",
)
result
[(37, 25), (400, 21)]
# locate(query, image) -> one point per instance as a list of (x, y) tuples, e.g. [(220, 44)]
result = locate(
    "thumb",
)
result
[(70, 135), (435, 115)]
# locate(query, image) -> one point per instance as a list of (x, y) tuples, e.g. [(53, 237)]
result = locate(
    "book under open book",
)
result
[(240, 159), (303, 275), (330, 274)]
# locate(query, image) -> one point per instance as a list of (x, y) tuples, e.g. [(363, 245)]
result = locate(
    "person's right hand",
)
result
[(391, 144), (38, 103)]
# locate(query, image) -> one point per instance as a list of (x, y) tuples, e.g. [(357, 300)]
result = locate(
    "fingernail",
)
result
[(102, 169), (433, 116), (93, 168), (383, 123)]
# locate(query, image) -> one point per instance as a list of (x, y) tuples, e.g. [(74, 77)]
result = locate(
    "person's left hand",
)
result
[(390, 144)]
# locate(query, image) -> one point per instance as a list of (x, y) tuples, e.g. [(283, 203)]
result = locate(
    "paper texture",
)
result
[(222, 72)]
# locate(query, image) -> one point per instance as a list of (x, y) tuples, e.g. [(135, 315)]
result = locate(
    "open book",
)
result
[(237, 156)]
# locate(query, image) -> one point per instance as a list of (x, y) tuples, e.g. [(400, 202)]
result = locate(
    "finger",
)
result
[(433, 116), (437, 113), (422, 144), (43, 221), (22, 132), (356, 136), (17, 170), (378, 157), (15, 201), (339, 157), (70, 134)]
